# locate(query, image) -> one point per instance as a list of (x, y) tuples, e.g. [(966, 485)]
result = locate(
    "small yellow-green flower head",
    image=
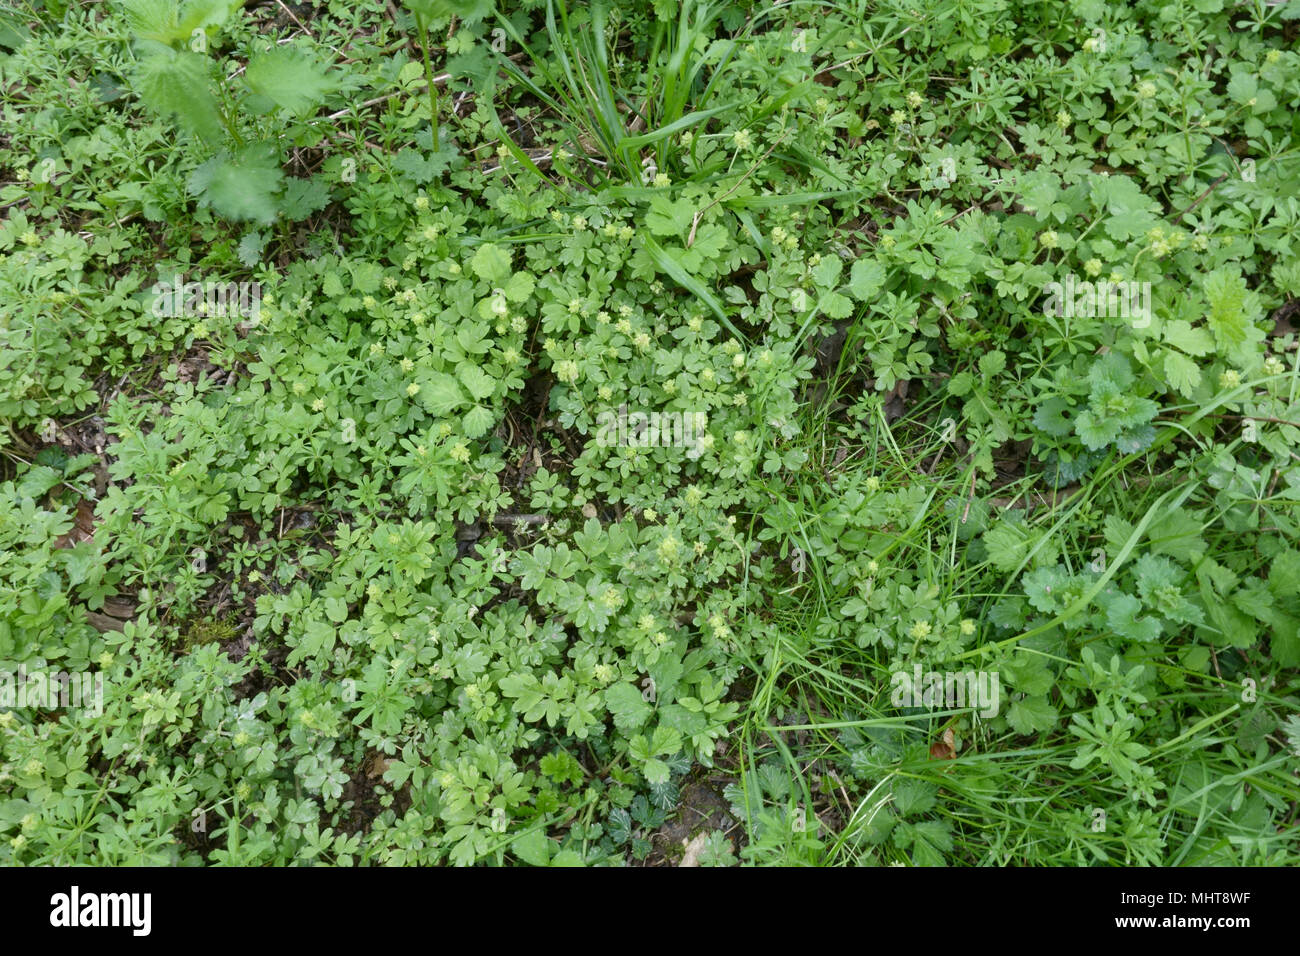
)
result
[(1048, 239), (967, 627), (566, 370), (742, 139), (1146, 89), (1093, 267), (914, 99), (1230, 379), (920, 630), (413, 389), (668, 548)]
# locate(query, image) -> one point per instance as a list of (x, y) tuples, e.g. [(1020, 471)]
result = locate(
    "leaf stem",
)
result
[(423, 30)]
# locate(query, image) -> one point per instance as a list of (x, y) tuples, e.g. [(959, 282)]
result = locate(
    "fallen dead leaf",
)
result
[(945, 748), (693, 849)]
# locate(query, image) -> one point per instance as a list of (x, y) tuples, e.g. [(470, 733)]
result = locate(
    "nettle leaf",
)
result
[(178, 85), (467, 11), (163, 21), (302, 197), (242, 186), (156, 20), (289, 77)]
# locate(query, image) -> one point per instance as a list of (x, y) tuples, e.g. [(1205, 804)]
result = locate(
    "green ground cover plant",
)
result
[(645, 433)]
